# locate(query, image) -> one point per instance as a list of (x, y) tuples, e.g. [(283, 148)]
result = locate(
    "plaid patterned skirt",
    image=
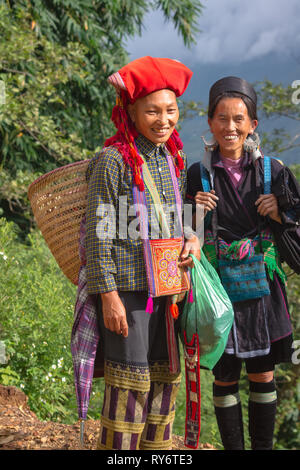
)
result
[(140, 392)]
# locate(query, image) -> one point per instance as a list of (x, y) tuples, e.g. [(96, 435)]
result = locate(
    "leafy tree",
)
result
[(55, 57), (280, 102)]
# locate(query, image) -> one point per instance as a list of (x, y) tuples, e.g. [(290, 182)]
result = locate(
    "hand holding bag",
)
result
[(204, 328), (243, 274), (210, 315), (164, 276), (161, 254)]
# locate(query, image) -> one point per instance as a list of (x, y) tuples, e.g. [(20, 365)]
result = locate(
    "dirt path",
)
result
[(20, 429)]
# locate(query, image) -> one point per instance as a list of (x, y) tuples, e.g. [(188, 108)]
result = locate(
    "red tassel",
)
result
[(115, 114), (149, 307), (191, 297), (174, 311), (132, 152), (135, 156), (171, 147), (177, 172), (137, 179), (176, 138)]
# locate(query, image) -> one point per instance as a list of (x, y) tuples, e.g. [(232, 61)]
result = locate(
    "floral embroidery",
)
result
[(167, 275)]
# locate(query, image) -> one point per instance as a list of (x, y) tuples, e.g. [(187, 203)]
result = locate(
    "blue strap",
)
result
[(267, 175), (204, 175), (204, 178)]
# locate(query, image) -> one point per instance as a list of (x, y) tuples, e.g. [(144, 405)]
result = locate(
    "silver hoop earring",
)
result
[(252, 142), (210, 145)]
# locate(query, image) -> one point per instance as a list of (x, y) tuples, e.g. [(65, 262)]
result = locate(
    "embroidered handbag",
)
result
[(166, 277), (161, 255), (244, 279)]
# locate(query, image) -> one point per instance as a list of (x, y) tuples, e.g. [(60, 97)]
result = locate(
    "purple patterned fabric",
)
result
[(85, 335)]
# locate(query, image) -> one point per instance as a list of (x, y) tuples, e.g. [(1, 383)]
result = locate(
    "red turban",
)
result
[(148, 74), (136, 80)]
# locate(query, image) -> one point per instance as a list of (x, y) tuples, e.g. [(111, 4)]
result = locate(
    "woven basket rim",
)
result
[(56, 170)]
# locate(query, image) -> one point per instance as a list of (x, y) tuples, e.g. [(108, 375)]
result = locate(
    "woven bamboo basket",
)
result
[(58, 201)]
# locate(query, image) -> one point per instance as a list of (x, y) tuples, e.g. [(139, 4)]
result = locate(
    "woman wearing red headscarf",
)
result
[(144, 163)]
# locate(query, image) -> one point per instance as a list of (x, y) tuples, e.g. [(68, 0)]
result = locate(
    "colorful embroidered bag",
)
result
[(243, 278), (161, 255)]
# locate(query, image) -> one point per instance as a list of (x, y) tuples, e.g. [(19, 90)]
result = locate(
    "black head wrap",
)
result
[(231, 84)]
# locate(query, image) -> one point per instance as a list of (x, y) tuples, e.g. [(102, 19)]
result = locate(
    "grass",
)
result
[(37, 307)]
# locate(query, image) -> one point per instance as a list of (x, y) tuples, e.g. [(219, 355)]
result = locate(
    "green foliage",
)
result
[(190, 109), (288, 377), (296, 170), (35, 326), (36, 319), (8, 376), (55, 57), (184, 15), (279, 101)]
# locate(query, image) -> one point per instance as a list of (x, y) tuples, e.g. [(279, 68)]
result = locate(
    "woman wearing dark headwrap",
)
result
[(242, 223)]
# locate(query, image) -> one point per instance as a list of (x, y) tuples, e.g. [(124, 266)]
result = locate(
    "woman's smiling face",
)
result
[(231, 125), (155, 115)]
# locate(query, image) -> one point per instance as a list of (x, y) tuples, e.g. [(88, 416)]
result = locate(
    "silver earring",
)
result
[(211, 145), (252, 142)]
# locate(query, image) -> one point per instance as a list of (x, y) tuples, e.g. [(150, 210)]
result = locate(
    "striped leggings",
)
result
[(261, 413), (139, 401), (139, 407)]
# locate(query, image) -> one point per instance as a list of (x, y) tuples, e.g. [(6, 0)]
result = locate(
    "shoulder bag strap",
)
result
[(204, 175), (267, 175), (205, 180)]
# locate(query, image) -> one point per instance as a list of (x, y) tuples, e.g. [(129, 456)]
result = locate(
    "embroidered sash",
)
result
[(164, 277), (161, 255)]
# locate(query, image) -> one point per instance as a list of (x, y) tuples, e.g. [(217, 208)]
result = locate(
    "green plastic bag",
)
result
[(209, 315)]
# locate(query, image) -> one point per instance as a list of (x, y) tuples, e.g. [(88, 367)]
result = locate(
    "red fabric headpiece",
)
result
[(148, 74), (136, 80)]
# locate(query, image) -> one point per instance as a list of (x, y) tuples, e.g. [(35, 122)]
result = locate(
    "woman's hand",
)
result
[(267, 205), (191, 246), (114, 313), (208, 200)]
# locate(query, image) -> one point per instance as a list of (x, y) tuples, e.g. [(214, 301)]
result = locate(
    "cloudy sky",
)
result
[(254, 39), (232, 31)]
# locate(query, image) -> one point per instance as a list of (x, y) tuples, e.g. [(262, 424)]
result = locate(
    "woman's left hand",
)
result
[(191, 246), (267, 205)]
